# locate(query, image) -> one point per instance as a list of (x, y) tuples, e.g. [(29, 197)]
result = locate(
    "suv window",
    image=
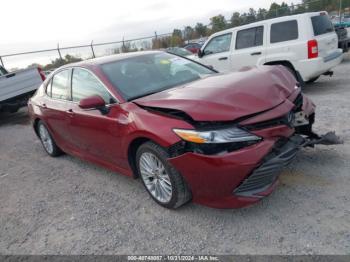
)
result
[(284, 31), (2, 71), (321, 24), (85, 84), (60, 88), (218, 44), (250, 37)]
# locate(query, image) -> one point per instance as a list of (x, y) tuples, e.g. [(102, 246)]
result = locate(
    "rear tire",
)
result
[(312, 80), (47, 141), (162, 181)]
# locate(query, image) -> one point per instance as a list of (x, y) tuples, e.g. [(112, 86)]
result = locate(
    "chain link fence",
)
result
[(60, 55)]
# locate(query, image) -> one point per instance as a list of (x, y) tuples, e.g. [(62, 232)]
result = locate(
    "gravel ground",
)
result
[(67, 206)]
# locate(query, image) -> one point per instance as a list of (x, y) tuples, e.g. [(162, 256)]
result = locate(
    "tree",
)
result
[(201, 30), (177, 32), (284, 9), (261, 14), (218, 23), (235, 19), (60, 62), (273, 11), (188, 33), (251, 16)]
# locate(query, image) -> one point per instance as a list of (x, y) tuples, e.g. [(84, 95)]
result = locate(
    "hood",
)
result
[(227, 97)]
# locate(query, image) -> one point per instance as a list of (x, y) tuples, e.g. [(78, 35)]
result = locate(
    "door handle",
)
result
[(256, 53), (44, 105), (223, 58), (70, 112)]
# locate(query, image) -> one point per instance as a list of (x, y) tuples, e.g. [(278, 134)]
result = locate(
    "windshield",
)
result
[(151, 73), (179, 51)]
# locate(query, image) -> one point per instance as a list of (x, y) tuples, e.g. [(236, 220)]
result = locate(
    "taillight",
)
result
[(312, 49), (42, 74)]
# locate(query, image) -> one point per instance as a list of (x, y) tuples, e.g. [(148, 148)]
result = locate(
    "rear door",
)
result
[(324, 34), (249, 47), (216, 53), (54, 105)]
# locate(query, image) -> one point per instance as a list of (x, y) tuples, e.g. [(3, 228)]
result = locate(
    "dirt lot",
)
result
[(66, 206)]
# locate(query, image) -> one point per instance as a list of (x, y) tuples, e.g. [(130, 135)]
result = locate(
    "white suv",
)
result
[(306, 43)]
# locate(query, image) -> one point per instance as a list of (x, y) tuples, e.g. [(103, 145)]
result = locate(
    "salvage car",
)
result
[(186, 130)]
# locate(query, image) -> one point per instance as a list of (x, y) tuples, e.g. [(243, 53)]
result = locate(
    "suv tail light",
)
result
[(42, 74), (312, 49)]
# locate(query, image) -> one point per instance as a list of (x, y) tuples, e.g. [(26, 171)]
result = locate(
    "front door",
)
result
[(93, 132), (217, 53)]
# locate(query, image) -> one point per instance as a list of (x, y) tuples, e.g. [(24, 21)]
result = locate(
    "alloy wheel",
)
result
[(155, 177), (46, 139)]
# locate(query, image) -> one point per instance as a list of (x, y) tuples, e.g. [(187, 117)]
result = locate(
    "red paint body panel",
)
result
[(213, 178), (105, 139), (236, 94)]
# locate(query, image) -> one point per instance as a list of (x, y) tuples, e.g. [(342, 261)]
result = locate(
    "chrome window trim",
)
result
[(71, 86), (104, 86), (50, 81)]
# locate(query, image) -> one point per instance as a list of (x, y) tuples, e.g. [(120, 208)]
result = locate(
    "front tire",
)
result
[(161, 180), (47, 141)]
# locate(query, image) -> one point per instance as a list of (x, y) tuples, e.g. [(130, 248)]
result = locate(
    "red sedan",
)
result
[(187, 131)]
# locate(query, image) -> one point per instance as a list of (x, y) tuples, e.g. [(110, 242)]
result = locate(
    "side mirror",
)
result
[(94, 102), (200, 53)]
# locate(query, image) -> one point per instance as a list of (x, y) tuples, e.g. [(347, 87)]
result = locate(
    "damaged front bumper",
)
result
[(242, 177), (267, 173)]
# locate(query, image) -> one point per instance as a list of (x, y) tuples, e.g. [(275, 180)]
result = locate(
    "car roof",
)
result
[(268, 21), (108, 59)]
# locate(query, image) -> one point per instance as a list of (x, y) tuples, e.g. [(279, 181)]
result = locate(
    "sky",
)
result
[(41, 24)]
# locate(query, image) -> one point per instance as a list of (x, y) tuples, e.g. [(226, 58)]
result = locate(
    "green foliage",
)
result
[(60, 62), (218, 23), (201, 30), (235, 19)]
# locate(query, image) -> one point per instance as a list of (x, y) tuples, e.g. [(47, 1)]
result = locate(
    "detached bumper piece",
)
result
[(282, 155), (267, 173)]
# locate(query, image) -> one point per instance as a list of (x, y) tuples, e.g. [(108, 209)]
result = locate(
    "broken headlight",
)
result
[(221, 136)]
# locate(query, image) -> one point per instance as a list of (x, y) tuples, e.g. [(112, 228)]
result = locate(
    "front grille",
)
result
[(284, 120), (266, 174), (270, 123)]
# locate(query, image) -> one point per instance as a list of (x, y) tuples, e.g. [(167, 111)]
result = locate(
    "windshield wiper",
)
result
[(143, 95)]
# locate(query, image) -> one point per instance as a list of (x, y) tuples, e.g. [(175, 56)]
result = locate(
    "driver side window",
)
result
[(218, 44), (85, 84)]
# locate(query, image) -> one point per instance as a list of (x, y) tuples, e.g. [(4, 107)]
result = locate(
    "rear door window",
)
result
[(60, 88), (250, 37), (284, 31), (321, 24)]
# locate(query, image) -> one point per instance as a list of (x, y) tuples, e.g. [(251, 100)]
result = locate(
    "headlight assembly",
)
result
[(228, 135)]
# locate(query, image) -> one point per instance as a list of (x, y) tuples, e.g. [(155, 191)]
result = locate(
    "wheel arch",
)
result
[(288, 64), (35, 125), (281, 62), (132, 149)]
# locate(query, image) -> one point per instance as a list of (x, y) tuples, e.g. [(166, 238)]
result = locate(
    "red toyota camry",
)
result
[(187, 131)]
